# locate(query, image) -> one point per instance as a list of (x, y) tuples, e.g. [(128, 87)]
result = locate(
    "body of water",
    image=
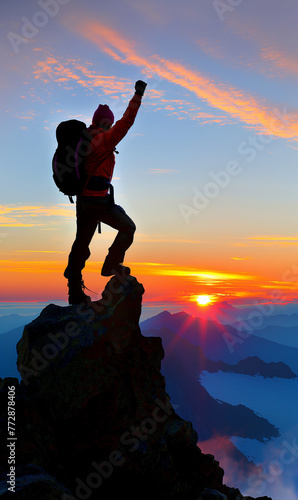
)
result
[(277, 401)]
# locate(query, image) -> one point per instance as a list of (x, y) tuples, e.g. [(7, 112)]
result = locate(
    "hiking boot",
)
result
[(75, 292), (112, 270)]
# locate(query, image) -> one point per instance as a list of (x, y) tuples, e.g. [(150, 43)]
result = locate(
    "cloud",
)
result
[(241, 258), (31, 216), (281, 285), (212, 47), (38, 251), (160, 171), (31, 266), (72, 70), (273, 476), (237, 468), (161, 239), (207, 276), (254, 112), (69, 73), (286, 63), (29, 116), (157, 13), (266, 240), (269, 45)]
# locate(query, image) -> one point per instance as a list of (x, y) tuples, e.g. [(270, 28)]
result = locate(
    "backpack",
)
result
[(68, 163)]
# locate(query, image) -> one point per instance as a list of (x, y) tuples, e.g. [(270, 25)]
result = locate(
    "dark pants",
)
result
[(89, 214)]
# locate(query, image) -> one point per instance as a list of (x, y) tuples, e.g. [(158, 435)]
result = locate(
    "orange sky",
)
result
[(39, 277)]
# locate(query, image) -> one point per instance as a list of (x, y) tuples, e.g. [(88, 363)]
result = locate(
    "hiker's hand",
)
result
[(140, 87)]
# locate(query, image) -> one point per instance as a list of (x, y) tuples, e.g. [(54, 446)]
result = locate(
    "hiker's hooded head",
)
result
[(103, 117)]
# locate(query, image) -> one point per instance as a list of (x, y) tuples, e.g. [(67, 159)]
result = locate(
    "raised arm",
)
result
[(122, 126)]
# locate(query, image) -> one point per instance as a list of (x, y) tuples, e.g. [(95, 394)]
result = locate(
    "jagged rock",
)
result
[(33, 483), (92, 410), (232, 493), (208, 494)]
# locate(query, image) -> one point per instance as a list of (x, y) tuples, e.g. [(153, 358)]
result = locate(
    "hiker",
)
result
[(95, 204)]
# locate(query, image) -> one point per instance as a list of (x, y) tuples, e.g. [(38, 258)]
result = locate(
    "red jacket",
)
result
[(104, 141)]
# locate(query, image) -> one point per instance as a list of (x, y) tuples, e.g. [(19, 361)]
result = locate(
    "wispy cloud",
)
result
[(209, 276), (281, 285), (162, 239), (254, 112), (161, 171), (286, 63), (38, 251), (29, 116), (70, 73), (274, 240), (73, 71), (241, 258), (31, 266), (30, 216), (268, 52)]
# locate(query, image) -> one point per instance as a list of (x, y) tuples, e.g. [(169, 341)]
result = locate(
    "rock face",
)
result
[(253, 366), (93, 419)]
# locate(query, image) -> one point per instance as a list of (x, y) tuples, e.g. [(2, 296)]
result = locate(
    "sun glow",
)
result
[(203, 300)]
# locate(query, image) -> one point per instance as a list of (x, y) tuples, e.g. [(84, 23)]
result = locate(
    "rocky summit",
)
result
[(93, 418)]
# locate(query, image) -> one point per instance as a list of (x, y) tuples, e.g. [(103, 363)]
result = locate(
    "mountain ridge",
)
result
[(95, 415), (12, 321), (223, 342)]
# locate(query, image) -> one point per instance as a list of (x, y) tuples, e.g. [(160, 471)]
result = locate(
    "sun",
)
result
[(203, 300)]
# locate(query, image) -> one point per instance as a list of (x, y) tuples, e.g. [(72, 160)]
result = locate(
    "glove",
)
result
[(140, 87)]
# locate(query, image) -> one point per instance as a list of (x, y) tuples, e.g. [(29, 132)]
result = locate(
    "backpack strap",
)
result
[(102, 180), (76, 165)]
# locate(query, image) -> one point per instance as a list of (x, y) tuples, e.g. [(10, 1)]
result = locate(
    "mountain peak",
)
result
[(180, 315), (94, 416), (164, 315)]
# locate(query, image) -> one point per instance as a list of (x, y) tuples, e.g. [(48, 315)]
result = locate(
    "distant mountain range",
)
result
[(181, 366), (8, 352), (275, 320), (191, 346), (258, 315), (222, 342), (285, 335), (253, 366), (11, 321), (11, 330)]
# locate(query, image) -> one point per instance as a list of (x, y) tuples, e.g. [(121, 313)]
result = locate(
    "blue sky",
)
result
[(221, 95)]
